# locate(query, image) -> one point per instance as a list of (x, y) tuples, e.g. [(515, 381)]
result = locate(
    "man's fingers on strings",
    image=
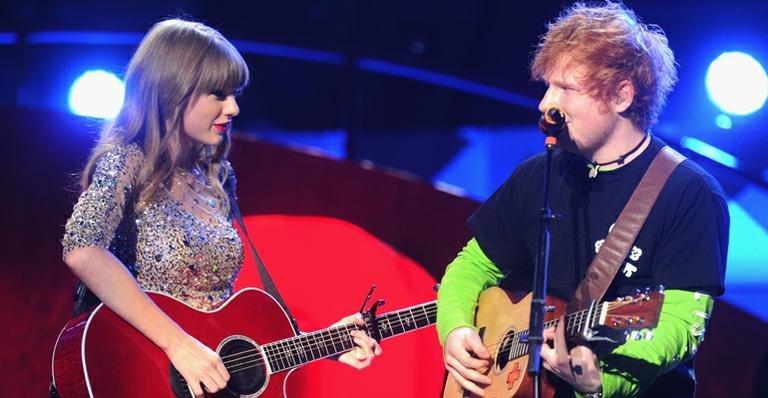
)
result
[(475, 356), (478, 348), (467, 360)]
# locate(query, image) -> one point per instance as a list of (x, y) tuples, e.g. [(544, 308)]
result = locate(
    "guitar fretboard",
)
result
[(296, 351)]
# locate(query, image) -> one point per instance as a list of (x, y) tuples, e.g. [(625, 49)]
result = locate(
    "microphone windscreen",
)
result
[(552, 122)]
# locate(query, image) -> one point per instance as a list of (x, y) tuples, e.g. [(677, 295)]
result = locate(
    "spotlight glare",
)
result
[(737, 83), (724, 121), (96, 93)]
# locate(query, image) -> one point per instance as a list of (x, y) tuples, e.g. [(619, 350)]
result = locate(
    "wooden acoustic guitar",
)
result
[(502, 321), (98, 354)]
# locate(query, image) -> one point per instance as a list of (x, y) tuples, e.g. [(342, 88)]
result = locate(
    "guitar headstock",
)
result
[(638, 311)]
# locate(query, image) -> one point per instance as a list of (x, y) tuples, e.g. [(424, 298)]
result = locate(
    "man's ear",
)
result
[(624, 96)]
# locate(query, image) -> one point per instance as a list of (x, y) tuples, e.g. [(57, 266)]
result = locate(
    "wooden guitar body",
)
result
[(502, 321), (500, 312)]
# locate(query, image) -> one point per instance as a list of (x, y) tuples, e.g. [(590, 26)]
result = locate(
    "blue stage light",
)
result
[(724, 121), (96, 93), (737, 83), (710, 151)]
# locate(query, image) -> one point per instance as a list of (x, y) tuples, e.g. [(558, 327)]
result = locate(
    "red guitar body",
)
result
[(98, 354)]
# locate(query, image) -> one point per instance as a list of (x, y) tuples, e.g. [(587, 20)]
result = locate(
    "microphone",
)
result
[(552, 122)]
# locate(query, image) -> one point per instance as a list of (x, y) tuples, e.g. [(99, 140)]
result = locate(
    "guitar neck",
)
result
[(516, 345), (575, 322), (296, 351)]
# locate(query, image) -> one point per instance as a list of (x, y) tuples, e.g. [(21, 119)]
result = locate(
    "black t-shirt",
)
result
[(683, 244)]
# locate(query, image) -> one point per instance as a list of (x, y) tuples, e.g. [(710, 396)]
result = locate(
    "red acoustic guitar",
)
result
[(98, 354), (502, 320)]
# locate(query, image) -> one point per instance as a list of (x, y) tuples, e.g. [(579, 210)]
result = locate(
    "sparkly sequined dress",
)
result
[(182, 243)]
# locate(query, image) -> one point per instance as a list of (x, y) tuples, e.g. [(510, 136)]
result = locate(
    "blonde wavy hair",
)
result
[(613, 46), (176, 62)]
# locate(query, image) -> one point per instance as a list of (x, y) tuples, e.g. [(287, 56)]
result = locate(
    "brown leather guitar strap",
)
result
[(606, 263)]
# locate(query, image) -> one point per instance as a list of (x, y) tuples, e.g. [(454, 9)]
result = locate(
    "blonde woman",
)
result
[(153, 213)]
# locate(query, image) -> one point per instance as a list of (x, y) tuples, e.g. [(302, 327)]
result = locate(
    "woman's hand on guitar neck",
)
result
[(467, 359), (577, 366), (367, 347)]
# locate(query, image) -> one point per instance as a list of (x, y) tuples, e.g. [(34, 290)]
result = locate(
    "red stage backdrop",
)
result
[(323, 268)]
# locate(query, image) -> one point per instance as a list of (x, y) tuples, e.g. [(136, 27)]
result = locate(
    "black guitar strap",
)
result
[(266, 279)]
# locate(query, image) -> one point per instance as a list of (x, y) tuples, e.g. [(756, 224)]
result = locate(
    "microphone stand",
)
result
[(541, 268)]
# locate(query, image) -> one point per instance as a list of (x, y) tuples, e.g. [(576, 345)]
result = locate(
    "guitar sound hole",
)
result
[(244, 361), (503, 356)]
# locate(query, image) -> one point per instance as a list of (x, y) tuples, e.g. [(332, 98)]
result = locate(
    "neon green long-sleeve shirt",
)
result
[(629, 368)]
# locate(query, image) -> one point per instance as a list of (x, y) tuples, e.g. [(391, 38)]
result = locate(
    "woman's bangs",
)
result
[(223, 69)]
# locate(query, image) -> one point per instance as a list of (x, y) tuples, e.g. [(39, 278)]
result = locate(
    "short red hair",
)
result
[(613, 46)]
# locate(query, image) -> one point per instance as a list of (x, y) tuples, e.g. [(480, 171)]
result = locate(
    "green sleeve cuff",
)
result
[(465, 278), (634, 365)]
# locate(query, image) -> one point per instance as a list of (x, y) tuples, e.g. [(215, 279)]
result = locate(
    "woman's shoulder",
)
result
[(120, 159), (130, 153)]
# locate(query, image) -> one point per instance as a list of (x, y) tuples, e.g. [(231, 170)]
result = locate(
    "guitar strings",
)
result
[(512, 343), (286, 360), (338, 330), (251, 358), (276, 349), (338, 335)]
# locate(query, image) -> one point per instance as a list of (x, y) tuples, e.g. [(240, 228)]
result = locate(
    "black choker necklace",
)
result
[(594, 167)]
